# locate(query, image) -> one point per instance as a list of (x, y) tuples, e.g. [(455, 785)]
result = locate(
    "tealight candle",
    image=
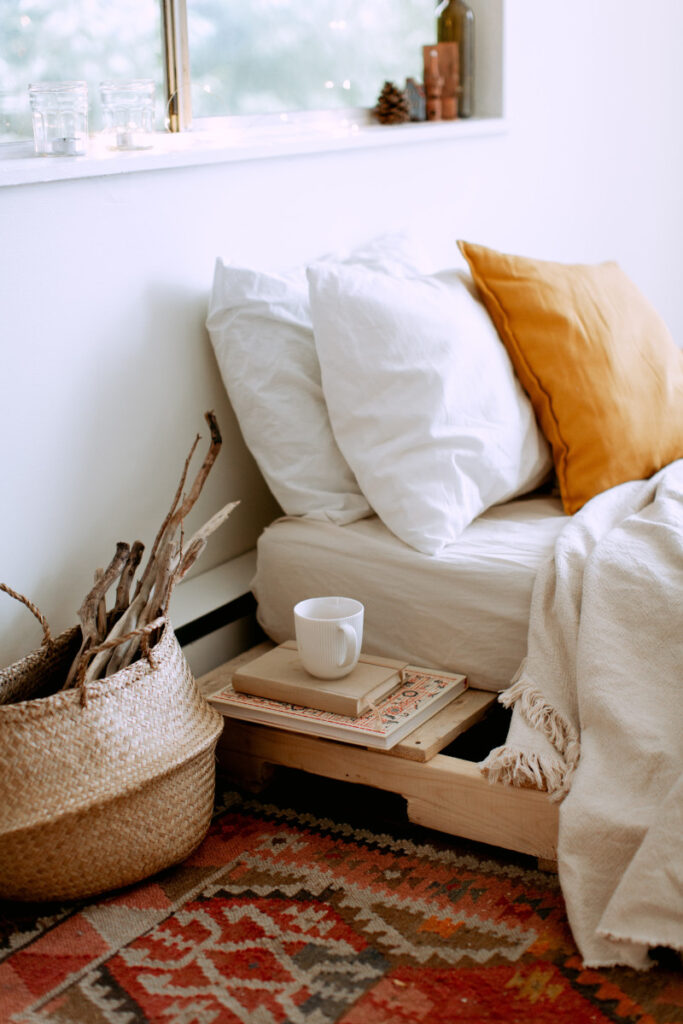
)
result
[(60, 118), (128, 113), (124, 139), (68, 146)]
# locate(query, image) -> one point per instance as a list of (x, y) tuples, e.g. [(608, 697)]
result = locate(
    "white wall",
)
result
[(106, 367)]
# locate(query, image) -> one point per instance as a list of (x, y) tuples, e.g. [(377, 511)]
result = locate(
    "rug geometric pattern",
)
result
[(287, 916)]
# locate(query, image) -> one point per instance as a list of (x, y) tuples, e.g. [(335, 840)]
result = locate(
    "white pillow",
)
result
[(423, 400), (261, 331)]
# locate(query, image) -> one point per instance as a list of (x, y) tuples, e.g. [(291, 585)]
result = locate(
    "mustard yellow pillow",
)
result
[(601, 369)]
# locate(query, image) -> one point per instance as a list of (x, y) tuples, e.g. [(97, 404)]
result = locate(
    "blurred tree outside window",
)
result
[(247, 57), (69, 40), (273, 56)]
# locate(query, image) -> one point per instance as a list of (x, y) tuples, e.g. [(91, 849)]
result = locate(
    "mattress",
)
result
[(465, 610)]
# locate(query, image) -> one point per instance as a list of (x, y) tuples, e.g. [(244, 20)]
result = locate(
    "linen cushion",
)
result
[(260, 327), (600, 366), (422, 399)]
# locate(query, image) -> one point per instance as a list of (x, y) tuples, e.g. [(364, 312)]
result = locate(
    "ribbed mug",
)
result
[(329, 634)]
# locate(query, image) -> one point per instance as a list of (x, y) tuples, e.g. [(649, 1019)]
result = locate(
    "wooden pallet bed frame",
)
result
[(442, 792)]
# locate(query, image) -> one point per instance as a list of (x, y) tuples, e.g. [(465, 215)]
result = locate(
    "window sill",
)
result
[(233, 142)]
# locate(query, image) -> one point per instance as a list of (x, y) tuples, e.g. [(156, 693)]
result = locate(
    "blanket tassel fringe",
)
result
[(514, 766)]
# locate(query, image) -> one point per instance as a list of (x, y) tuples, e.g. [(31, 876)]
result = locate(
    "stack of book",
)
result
[(377, 705)]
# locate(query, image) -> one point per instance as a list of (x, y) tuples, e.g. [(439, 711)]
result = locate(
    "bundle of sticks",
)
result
[(114, 638)]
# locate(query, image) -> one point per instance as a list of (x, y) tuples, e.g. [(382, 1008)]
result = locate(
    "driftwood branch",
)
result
[(101, 607), (117, 635), (160, 574), (169, 514), (126, 580), (198, 541), (90, 613)]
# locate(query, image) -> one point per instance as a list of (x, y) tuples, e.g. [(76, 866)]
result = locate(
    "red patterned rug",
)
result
[(311, 905)]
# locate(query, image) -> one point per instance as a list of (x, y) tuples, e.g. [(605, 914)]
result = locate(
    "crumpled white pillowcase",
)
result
[(260, 327), (423, 400)]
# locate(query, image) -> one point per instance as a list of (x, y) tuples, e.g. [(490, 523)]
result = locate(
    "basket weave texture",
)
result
[(103, 785)]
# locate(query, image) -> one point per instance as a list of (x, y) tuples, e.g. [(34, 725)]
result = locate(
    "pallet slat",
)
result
[(447, 794), (443, 727)]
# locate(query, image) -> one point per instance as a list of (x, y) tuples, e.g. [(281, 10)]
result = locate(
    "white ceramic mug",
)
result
[(329, 634)]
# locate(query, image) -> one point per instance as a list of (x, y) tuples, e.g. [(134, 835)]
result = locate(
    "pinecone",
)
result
[(392, 105)]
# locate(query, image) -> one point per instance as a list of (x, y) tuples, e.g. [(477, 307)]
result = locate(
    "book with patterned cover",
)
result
[(279, 674), (420, 695)]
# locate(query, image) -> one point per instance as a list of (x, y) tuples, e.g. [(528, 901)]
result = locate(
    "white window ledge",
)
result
[(212, 589), (237, 140)]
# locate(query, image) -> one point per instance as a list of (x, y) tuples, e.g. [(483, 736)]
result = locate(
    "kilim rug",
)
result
[(319, 902)]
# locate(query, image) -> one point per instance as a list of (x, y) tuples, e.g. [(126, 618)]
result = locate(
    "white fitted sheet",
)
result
[(465, 610)]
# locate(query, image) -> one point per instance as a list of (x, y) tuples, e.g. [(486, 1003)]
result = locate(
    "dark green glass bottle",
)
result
[(455, 24)]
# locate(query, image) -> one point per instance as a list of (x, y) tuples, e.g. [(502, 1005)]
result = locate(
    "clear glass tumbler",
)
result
[(60, 118), (128, 109)]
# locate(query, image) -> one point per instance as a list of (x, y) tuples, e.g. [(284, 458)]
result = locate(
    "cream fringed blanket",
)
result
[(598, 717)]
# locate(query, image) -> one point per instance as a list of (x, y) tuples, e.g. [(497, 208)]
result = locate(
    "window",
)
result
[(272, 56), (231, 57), (258, 57), (56, 40)]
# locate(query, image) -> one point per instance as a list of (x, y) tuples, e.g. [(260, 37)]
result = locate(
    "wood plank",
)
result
[(445, 793), (456, 798), (443, 727)]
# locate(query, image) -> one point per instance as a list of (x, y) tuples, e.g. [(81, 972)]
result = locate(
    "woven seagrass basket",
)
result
[(103, 784)]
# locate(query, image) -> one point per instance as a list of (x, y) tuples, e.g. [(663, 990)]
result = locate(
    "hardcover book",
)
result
[(420, 694), (279, 674)]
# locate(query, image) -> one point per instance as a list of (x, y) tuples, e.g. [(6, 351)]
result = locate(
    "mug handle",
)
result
[(351, 651)]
